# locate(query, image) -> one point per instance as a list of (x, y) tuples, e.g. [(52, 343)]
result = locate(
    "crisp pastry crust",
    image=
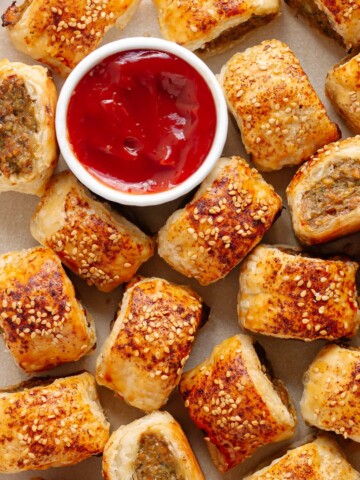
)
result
[(324, 195), (235, 404), (342, 87), (228, 216), (331, 398), (339, 19), (29, 152), (281, 119), (143, 358), (42, 322), (54, 423), (321, 459), (95, 242), (125, 444), (287, 294), (60, 33), (211, 27)]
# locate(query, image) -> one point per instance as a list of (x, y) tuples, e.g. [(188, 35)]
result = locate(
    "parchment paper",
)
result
[(289, 358)]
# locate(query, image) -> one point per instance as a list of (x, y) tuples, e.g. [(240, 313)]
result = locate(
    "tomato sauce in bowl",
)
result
[(141, 121)]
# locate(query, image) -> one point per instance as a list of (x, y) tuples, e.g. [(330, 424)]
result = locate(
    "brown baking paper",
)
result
[(289, 358)]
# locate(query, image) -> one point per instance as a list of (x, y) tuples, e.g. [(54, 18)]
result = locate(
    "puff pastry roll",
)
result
[(28, 148), (49, 422), (287, 294), (230, 213), (331, 398), (60, 33), (324, 195), (211, 27), (281, 119), (143, 358), (321, 459), (42, 322), (95, 242), (343, 90), (235, 403), (339, 19), (152, 447)]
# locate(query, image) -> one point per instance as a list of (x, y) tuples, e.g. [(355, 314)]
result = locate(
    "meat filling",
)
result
[(154, 460), (14, 13), (277, 384), (317, 17), (28, 384), (231, 35), (336, 194), (17, 128)]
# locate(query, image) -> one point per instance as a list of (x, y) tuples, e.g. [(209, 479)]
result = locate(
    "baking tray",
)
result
[(289, 358)]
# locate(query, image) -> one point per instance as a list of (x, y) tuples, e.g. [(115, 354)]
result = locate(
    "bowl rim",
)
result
[(145, 199)]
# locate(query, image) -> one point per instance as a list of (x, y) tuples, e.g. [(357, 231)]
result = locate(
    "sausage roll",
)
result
[(331, 398), (287, 294), (211, 27), (321, 459), (343, 90), (324, 195), (143, 358), (49, 422), (228, 216), (151, 447), (60, 33), (281, 119), (28, 148), (339, 19), (42, 322), (95, 242), (235, 403)]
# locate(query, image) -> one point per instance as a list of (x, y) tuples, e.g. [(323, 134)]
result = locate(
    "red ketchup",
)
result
[(141, 121)]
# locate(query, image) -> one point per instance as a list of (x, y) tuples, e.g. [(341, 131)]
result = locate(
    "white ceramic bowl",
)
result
[(96, 185)]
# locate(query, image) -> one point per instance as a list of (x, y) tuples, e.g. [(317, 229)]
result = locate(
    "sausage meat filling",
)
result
[(337, 193), (17, 128), (310, 10), (155, 460), (14, 13), (231, 35)]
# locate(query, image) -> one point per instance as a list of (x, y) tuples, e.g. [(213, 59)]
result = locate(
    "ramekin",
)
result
[(108, 192)]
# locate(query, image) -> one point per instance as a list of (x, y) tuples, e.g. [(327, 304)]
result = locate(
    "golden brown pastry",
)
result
[(324, 195), (143, 358), (339, 19), (281, 119), (235, 403), (95, 242), (286, 293), (42, 322), (49, 422), (228, 216), (151, 447), (211, 27), (28, 148), (321, 459), (331, 398), (60, 33), (342, 87)]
